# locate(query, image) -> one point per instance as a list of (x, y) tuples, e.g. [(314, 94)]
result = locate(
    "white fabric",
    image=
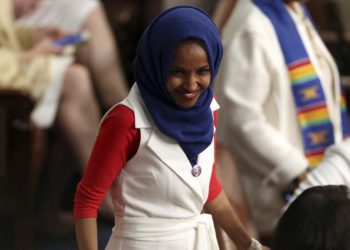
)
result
[(333, 170), (196, 233), (67, 14), (257, 118), (157, 183), (44, 112), (256, 245)]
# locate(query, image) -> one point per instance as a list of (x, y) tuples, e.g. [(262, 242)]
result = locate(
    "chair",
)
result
[(22, 147)]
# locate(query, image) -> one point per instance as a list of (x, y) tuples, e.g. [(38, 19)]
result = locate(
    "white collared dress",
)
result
[(157, 200)]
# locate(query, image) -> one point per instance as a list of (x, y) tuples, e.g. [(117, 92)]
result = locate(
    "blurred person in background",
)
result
[(281, 101), (100, 54), (31, 61)]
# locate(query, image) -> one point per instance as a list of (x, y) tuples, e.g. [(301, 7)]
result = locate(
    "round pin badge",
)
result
[(196, 170)]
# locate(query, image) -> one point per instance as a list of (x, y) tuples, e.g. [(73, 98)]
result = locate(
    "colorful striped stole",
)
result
[(313, 116), (316, 128)]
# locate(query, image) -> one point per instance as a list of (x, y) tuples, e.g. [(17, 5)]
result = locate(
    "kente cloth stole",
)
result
[(313, 116)]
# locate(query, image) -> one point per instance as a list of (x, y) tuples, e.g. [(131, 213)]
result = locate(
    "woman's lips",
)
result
[(190, 95)]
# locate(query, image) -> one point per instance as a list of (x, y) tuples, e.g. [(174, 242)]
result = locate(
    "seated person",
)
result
[(99, 55), (30, 61), (318, 219)]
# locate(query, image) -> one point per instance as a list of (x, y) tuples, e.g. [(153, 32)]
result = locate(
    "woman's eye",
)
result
[(203, 71), (175, 72)]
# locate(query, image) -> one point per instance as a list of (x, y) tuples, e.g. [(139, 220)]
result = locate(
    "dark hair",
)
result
[(318, 219)]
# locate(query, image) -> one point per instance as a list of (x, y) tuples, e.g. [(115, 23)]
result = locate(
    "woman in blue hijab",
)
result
[(155, 150)]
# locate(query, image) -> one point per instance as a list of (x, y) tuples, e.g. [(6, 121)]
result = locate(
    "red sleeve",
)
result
[(116, 143), (215, 186)]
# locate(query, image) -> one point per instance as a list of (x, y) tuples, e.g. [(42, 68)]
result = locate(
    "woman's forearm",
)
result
[(44, 47), (225, 216), (86, 233)]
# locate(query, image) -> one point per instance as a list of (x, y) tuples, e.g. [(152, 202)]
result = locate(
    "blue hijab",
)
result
[(192, 128)]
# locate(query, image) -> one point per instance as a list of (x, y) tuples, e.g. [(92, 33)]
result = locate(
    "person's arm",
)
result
[(11, 61), (225, 216), (334, 169), (86, 233), (223, 213), (29, 36), (116, 143), (51, 32), (42, 48)]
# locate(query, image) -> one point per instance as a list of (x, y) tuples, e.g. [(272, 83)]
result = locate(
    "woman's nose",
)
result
[(191, 82)]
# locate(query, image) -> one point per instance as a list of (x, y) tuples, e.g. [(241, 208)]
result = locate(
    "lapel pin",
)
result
[(196, 170)]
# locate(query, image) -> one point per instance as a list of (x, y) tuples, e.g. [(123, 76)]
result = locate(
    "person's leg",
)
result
[(101, 56), (77, 118), (78, 113)]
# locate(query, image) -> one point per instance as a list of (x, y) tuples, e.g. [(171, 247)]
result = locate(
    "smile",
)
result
[(190, 95)]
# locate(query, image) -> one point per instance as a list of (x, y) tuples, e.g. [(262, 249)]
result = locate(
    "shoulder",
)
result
[(119, 115), (117, 129)]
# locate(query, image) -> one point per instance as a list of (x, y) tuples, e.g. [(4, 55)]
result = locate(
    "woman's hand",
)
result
[(51, 32), (223, 214), (45, 47), (42, 48), (226, 217)]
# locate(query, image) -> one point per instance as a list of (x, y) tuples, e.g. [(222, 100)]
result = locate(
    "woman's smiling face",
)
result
[(190, 74)]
